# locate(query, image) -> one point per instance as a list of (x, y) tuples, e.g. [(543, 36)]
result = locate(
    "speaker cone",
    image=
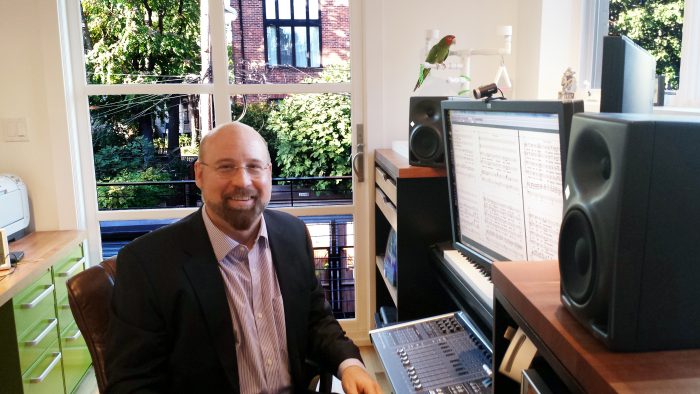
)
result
[(577, 256), (425, 143)]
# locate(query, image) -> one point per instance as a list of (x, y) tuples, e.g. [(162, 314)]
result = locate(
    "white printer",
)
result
[(14, 206)]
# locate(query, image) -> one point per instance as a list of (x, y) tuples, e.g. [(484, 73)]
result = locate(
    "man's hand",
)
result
[(357, 381)]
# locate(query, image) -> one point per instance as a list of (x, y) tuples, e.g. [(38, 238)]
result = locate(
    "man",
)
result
[(225, 300)]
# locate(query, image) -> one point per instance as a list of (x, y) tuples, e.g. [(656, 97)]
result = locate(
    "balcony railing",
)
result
[(286, 192), (332, 237)]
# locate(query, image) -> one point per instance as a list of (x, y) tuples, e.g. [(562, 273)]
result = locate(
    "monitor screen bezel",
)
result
[(563, 109)]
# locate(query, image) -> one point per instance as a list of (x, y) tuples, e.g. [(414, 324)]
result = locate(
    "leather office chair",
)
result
[(89, 296)]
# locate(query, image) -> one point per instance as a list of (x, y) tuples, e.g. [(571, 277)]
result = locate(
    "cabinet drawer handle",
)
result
[(43, 333), (64, 306), (47, 371), (74, 337), (33, 303), (74, 267)]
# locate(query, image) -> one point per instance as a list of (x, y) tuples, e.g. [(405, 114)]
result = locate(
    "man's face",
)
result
[(231, 193)]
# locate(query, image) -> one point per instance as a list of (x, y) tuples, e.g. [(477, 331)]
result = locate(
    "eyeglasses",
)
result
[(228, 170)]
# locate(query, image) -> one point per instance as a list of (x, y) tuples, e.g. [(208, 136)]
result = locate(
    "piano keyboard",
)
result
[(478, 278)]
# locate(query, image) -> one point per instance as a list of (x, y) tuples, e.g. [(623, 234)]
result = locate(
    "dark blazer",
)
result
[(170, 325)]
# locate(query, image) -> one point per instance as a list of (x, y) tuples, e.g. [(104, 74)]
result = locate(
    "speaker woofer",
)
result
[(577, 257), (425, 143)]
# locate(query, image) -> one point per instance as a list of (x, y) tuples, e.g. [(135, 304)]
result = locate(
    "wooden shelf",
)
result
[(530, 293), (392, 289), (397, 166)]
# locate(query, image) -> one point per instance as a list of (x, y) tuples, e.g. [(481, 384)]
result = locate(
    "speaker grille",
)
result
[(577, 257)]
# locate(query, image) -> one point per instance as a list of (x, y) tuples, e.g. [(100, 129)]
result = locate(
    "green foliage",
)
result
[(313, 131), (137, 41), (116, 150), (256, 117), (655, 25), (132, 196)]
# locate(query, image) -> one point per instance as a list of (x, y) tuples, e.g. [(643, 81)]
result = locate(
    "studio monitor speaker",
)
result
[(629, 242), (425, 140)]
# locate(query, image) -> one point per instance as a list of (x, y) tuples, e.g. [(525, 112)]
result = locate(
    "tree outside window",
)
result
[(655, 25)]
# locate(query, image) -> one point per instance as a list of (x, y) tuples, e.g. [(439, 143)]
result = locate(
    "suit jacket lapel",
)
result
[(202, 269)]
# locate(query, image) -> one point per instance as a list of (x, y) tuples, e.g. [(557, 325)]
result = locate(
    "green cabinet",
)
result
[(41, 348)]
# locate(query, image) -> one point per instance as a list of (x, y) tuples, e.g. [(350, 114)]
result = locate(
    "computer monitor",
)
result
[(628, 77), (505, 176)]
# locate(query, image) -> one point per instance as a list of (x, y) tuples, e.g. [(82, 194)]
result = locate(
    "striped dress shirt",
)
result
[(257, 311)]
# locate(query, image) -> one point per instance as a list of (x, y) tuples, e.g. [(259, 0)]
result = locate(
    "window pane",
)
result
[(285, 45), (308, 135), (300, 46), (144, 147), (315, 47), (284, 9), (272, 45), (270, 9), (299, 9), (313, 9), (255, 56), (132, 45)]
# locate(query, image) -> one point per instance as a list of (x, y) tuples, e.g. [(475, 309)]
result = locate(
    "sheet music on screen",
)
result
[(507, 170)]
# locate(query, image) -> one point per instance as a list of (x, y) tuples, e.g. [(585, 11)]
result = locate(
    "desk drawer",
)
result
[(65, 315), (71, 265), (386, 183), (46, 376), (34, 303), (76, 356), (388, 209), (37, 341)]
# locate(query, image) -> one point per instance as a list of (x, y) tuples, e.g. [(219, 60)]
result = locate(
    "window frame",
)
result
[(292, 22), (222, 90)]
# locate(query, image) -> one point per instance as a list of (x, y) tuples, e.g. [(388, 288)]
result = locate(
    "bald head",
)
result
[(233, 132)]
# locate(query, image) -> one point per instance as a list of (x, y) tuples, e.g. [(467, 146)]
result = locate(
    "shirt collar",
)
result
[(222, 243)]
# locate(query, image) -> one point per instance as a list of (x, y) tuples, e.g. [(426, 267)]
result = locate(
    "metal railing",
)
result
[(286, 192)]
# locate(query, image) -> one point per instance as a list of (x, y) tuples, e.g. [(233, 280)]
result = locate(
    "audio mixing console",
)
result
[(444, 354)]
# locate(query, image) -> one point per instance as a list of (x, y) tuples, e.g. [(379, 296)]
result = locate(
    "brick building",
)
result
[(285, 41)]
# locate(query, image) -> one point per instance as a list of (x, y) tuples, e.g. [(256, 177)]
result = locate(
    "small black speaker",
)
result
[(629, 243), (425, 142)]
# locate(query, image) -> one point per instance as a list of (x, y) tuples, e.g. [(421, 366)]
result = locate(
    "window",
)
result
[(152, 78), (656, 25), (293, 33)]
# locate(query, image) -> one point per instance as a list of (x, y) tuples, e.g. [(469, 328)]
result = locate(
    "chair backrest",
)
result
[(89, 296)]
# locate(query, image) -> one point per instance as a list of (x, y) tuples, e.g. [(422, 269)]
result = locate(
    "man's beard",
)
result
[(239, 218)]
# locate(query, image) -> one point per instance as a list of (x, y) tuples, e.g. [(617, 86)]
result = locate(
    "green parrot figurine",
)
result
[(437, 55)]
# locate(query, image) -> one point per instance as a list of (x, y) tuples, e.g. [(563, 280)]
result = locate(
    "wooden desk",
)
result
[(41, 250), (529, 293)]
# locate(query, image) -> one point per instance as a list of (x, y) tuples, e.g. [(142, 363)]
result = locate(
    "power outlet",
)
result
[(15, 129)]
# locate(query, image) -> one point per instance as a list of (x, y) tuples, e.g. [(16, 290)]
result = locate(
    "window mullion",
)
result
[(219, 60)]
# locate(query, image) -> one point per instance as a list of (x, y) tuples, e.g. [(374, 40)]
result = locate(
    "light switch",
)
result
[(15, 129)]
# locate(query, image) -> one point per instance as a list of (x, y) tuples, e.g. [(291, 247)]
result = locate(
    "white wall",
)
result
[(31, 82), (402, 32), (545, 42)]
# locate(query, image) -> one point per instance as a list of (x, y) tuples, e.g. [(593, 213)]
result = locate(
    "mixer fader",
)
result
[(442, 354)]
